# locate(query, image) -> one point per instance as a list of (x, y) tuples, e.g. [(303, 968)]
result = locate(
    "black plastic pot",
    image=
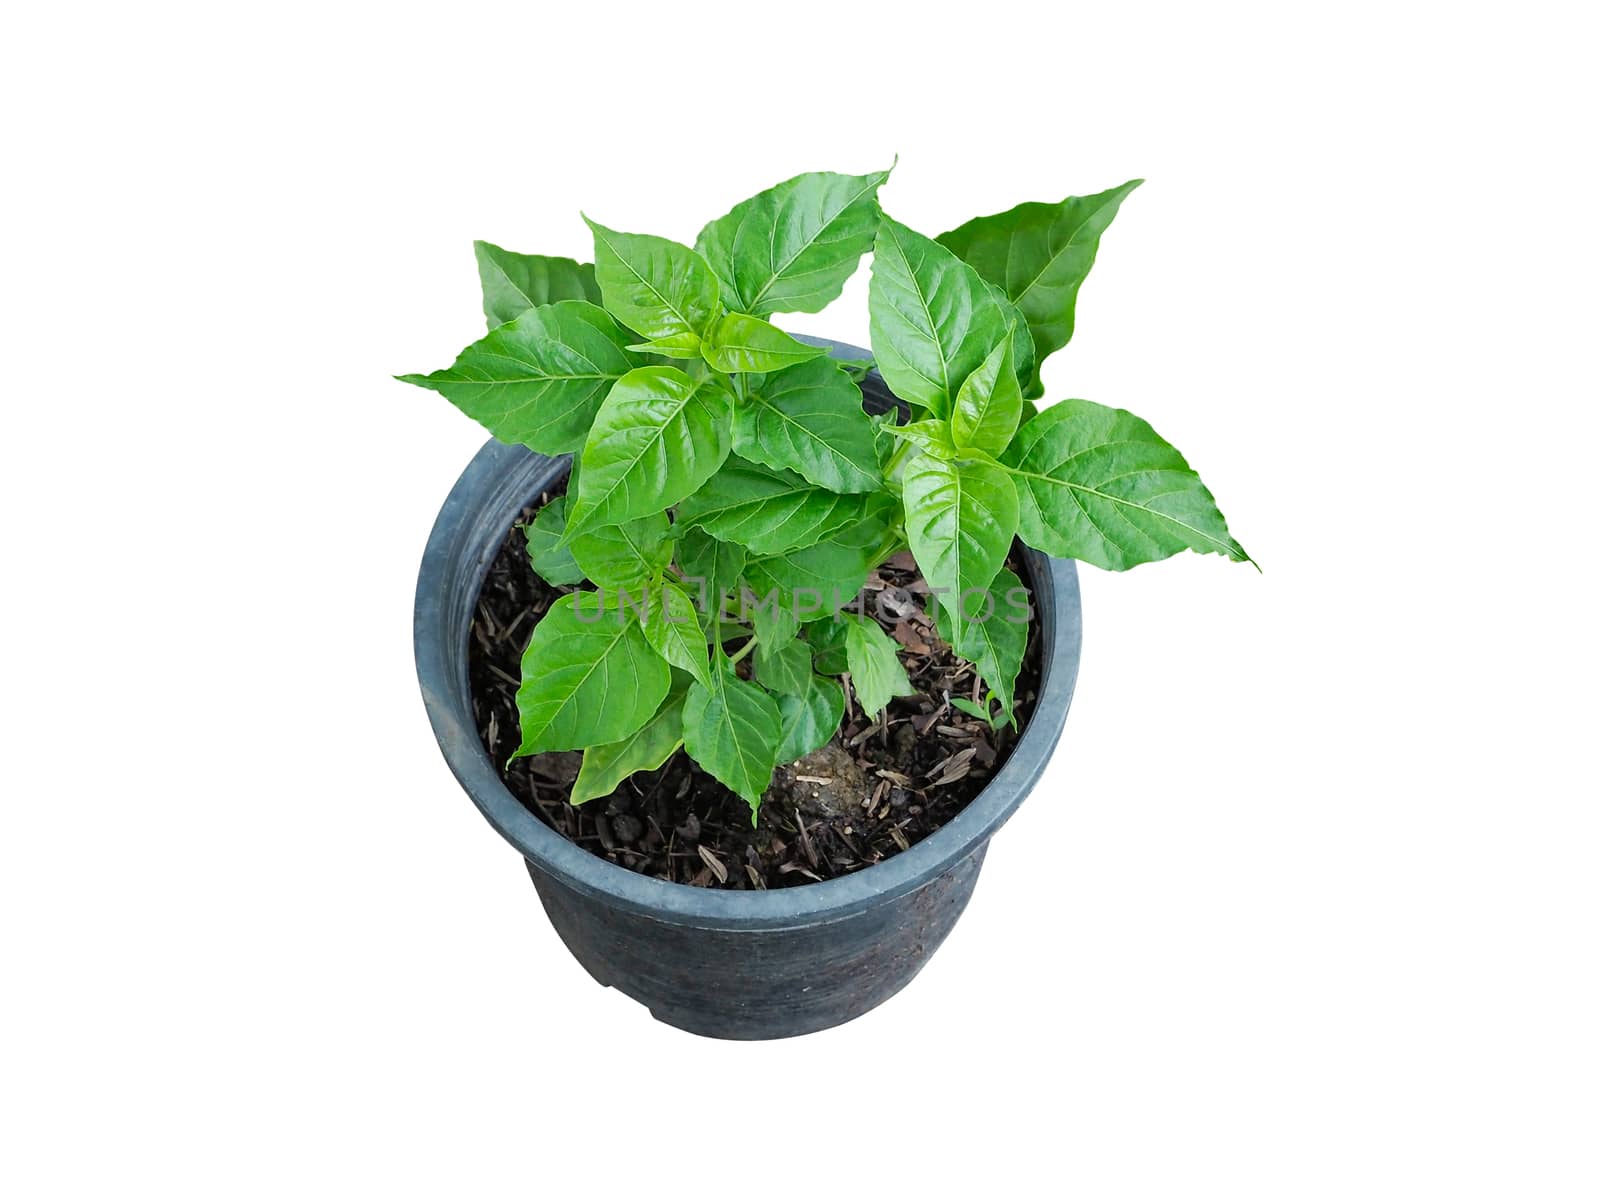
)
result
[(759, 964)]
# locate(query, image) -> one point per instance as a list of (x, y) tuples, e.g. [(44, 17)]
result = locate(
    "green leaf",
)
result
[(1098, 484), (682, 346), (932, 436), (552, 561), (876, 672), (588, 678), (808, 719), (821, 578), (811, 582), (783, 668), (672, 626), (809, 419), (960, 519), (775, 625), (1023, 360), (826, 639), (540, 379), (994, 718), (658, 437), (791, 248), (1039, 254), (934, 319), (767, 511), (876, 535), (514, 283), (605, 767), (660, 289), (710, 567), (626, 556), (993, 638), (737, 342), (731, 728), (989, 405)]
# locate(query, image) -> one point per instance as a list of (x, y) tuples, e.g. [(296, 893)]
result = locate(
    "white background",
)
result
[(1306, 905)]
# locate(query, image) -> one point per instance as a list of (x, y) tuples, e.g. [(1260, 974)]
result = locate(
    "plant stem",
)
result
[(891, 483)]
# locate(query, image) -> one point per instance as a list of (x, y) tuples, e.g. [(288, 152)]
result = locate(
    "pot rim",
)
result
[(447, 696)]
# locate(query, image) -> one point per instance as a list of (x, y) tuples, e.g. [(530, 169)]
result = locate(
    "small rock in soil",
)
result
[(896, 604), (826, 783)]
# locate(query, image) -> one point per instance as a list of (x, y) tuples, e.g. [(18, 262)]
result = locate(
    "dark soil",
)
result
[(876, 789)]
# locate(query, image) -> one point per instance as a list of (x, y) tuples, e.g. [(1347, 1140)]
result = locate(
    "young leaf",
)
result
[(1023, 359), (732, 730), (514, 283), (791, 248), (625, 557), (931, 436), (994, 636), (605, 767), (658, 437), (807, 719), (767, 511), (989, 405), (885, 446), (660, 289), (540, 379), (736, 342), (1040, 254), (552, 561), (783, 668), (809, 419), (684, 346), (972, 709), (876, 672), (710, 567), (960, 519), (588, 678), (934, 320), (672, 626), (1098, 484)]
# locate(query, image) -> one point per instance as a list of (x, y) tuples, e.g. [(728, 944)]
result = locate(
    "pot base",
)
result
[(759, 984)]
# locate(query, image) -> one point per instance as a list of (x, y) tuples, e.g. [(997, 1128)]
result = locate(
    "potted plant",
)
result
[(748, 642)]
